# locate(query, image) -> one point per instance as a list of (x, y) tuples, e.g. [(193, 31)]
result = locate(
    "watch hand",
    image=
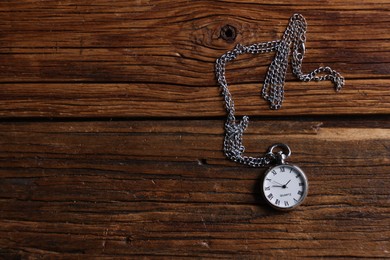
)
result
[(277, 183), (280, 185)]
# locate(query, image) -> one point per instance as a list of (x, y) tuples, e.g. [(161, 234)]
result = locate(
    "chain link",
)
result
[(293, 40)]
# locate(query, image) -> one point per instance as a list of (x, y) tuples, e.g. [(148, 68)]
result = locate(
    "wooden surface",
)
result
[(112, 127)]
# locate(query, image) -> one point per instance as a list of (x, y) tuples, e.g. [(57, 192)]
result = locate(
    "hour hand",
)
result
[(278, 184)]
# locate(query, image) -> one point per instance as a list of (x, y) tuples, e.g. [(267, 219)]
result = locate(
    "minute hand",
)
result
[(277, 183)]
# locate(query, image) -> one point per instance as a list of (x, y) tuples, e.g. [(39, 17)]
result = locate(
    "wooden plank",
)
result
[(182, 65), (164, 188), (158, 100), (128, 51)]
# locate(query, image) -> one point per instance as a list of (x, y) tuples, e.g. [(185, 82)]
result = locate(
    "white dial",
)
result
[(285, 186)]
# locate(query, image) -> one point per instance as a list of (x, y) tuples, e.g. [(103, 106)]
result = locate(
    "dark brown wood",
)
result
[(164, 188), (163, 53), (100, 155), (152, 100)]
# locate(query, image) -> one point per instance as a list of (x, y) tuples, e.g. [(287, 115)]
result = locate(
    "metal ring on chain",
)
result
[(285, 149), (292, 44)]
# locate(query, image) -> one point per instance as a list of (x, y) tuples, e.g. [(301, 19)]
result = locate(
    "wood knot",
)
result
[(228, 33)]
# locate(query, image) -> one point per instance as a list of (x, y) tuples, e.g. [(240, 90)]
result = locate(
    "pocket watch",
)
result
[(284, 186)]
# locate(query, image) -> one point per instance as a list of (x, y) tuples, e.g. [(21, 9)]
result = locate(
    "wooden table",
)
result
[(112, 122)]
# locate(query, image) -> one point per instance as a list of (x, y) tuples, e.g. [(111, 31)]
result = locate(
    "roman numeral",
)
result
[(282, 169), (270, 196), (300, 184), (268, 188), (286, 203), (274, 172), (268, 179), (295, 200), (299, 192), (291, 170), (277, 202)]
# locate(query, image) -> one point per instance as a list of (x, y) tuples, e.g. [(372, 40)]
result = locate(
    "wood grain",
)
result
[(111, 131), (163, 53), (84, 100), (164, 188)]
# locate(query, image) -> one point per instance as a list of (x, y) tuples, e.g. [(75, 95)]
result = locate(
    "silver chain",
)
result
[(293, 40)]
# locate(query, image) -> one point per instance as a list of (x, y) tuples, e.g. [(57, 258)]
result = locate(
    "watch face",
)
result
[(285, 186)]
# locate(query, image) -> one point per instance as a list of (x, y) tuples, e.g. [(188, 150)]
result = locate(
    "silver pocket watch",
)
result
[(284, 186)]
